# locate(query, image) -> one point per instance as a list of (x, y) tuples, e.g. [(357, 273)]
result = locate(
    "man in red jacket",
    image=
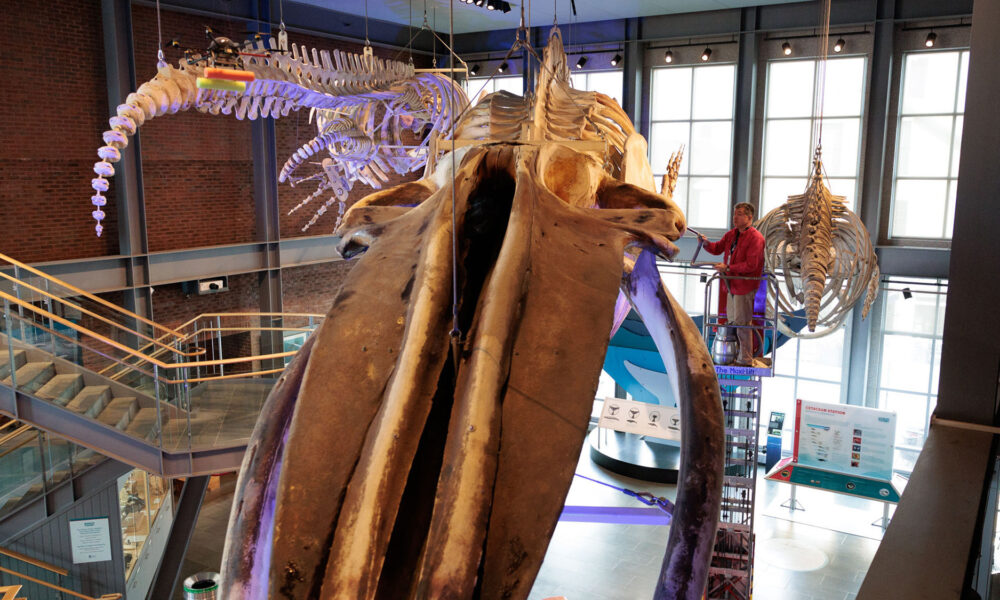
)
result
[(744, 257)]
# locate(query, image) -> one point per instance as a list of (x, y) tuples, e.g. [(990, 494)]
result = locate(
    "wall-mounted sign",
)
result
[(849, 439), (642, 418), (90, 540)]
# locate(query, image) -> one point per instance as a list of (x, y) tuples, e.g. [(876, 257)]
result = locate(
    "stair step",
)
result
[(19, 359), (143, 425), (32, 376), (91, 400), (119, 412), (62, 388)]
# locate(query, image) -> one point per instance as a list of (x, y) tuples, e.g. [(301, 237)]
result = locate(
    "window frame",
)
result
[(691, 121), (909, 40), (805, 46), (874, 387), (813, 119)]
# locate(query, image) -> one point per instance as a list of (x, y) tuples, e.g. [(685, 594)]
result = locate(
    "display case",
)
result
[(140, 496)]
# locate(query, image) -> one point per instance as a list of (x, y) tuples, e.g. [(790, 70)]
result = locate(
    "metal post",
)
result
[(218, 334), (10, 352), (159, 411), (42, 462)]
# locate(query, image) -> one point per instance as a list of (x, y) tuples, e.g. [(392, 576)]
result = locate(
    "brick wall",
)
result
[(54, 106), (311, 289), (197, 169)]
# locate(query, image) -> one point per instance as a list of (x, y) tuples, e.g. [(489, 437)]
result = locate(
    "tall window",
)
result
[(908, 360), (511, 83), (932, 104), (808, 369), (693, 106), (789, 128), (605, 82)]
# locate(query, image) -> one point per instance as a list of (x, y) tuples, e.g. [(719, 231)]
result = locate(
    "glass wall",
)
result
[(908, 360), (692, 106), (811, 369), (140, 496), (790, 127), (928, 140)]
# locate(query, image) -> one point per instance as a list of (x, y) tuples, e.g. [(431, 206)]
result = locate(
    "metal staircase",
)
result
[(174, 402)]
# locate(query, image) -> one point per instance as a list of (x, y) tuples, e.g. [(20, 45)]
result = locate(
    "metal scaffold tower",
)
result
[(730, 576)]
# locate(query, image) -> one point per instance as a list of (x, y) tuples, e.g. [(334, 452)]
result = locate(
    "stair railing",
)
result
[(162, 343), (58, 588), (172, 381)]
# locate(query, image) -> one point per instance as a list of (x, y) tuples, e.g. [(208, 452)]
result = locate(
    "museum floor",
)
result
[(585, 561)]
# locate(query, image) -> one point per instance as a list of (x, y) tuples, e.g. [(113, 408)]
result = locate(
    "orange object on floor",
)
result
[(229, 74)]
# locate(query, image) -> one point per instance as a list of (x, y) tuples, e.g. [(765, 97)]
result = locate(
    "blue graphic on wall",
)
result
[(635, 365)]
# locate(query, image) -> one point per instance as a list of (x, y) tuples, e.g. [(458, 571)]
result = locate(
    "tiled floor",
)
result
[(588, 561)]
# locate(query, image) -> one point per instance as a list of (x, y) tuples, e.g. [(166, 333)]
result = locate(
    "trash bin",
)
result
[(202, 586)]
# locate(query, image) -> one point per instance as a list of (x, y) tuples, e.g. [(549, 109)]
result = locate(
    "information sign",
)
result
[(642, 418), (848, 439), (90, 540)]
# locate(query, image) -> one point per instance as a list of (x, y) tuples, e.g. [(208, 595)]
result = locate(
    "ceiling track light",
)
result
[(503, 67), (931, 38), (839, 45), (668, 57), (707, 54), (617, 58), (580, 63), (474, 70), (786, 49), (504, 7), (491, 5)]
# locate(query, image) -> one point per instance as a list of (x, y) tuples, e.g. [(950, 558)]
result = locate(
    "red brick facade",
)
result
[(197, 169)]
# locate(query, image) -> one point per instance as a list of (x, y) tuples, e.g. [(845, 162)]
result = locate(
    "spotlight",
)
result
[(907, 294), (707, 54), (931, 38), (839, 45), (668, 57), (786, 49), (480, 2), (580, 63), (474, 70), (504, 7), (617, 58), (503, 67), (491, 5)]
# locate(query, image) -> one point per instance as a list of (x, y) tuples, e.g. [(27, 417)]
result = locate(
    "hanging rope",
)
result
[(161, 62), (820, 87), (646, 498), (367, 43)]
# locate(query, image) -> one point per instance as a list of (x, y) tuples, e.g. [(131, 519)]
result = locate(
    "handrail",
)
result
[(19, 444), (14, 434), (77, 290), (188, 336), (130, 351), (58, 588), (33, 561), (177, 365), (198, 351)]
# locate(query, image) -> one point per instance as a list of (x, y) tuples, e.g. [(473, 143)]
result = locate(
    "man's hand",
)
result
[(720, 267), (702, 239)]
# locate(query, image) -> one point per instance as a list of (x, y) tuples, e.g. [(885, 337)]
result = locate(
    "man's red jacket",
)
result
[(746, 261)]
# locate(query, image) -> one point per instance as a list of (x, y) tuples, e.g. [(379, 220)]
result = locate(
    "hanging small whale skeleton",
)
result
[(371, 114), (394, 459), (824, 255)]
